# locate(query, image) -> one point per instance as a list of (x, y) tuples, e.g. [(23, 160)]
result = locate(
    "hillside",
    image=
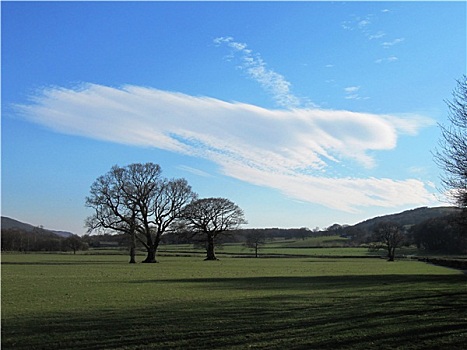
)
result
[(9, 223), (408, 217)]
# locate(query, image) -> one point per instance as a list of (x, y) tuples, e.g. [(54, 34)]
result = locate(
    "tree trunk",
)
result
[(151, 256), (210, 255), (392, 252), (133, 249), (151, 249)]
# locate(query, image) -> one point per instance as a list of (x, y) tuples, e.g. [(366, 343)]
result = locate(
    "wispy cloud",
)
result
[(388, 44), (377, 35), (352, 93), (352, 89), (387, 59), (417, 170), (256, 68), (288, 150), (194, 171), (365, 25)]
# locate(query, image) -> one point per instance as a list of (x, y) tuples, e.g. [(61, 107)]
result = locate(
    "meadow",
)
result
[(99, 301)]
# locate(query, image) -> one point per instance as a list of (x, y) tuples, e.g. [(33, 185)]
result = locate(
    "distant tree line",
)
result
[(445, 234), (39, 240), (242, 235), (276, 233)]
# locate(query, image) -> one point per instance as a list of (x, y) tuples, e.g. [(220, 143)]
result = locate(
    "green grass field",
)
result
[(61, 301), (311, 246)]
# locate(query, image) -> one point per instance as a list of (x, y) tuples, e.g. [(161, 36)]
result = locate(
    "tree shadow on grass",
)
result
[(422, 312), (310, 282), (62, 262)]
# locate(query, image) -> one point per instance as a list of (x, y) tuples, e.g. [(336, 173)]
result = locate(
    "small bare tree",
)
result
[(389, 236), (75, 243), (211, 217), (255, 239)]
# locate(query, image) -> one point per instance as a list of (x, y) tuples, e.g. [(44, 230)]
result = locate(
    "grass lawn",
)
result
[(60, 301)]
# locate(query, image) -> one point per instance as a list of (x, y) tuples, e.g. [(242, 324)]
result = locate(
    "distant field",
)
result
[(311, 246), (62, 301)]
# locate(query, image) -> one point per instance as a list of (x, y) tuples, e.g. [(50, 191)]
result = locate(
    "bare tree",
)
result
[(170, 199), (135, 200), (75, 243), (255, 239), (451, 156), (117, 198), (211, 217), (387, 235)]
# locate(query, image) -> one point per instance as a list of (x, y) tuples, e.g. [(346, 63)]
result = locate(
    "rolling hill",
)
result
[(9, 223), (408, 217)]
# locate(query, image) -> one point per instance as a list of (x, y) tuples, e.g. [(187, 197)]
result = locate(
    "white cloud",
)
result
[(351, 93), (388, 44), (194, 171), (256, 68), (363, 23), (387, 59), (288, 150), (377, 35), (347, 194), (352, 89), (418, 170), (409, 124)]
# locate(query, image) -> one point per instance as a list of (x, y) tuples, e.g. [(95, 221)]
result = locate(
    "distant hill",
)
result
[(9, 223), (408, 217)]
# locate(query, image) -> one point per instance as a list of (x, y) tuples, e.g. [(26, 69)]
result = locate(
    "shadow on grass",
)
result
[(62, 262), (312, 282), (403, 311)]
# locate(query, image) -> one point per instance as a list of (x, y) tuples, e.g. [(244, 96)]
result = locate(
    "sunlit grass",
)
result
[(323, 246), (274, 248), (97, 302)]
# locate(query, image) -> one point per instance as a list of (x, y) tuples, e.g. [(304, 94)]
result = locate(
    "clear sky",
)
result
[(304, 114)]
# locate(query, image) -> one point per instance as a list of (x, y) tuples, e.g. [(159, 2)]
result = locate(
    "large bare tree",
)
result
[(137, 201), (211, 217), (451, 156)]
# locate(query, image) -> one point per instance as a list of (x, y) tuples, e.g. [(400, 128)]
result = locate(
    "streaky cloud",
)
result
[(255, 67), (388, 44), (288, 150), (194, 171)]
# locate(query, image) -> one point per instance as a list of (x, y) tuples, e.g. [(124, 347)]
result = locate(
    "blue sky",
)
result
[(302, 113)]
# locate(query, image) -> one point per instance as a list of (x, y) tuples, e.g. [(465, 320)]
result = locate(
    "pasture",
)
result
[(86, 301)]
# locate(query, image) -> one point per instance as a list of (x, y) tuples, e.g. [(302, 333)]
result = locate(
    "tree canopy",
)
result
[(210, 217)]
